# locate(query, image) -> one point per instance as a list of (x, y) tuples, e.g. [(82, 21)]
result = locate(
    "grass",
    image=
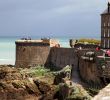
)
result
[(39, 71), (89, 41), (35, 71)]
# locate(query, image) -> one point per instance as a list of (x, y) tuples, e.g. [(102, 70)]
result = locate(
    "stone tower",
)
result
[(30, 53), (105, 28)]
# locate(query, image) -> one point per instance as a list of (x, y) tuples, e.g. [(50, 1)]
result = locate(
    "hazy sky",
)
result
[(45, 17)]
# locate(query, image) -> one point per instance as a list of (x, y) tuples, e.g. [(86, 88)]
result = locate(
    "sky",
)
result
[(50, 17)]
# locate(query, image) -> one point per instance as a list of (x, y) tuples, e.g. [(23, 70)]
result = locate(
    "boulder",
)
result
[(43, 87), (8, 74)]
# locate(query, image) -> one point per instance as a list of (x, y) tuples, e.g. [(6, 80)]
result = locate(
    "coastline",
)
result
[(7, 62), (7, 46)]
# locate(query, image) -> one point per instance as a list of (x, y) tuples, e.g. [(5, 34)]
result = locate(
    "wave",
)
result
[(5, 59)]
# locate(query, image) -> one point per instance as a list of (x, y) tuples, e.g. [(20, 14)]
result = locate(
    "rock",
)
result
[(59, 78), (43, 87), (50, 95), (8, 92), (18, 84), (32, 88), (13, 87), (8, 74)]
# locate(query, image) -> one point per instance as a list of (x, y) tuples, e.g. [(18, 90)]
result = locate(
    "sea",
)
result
[(8, 47)]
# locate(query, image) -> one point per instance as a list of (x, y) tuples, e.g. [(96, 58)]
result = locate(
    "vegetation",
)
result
[(89, 41), (92, 91), (39, 71), (78, 94), (36, 71)]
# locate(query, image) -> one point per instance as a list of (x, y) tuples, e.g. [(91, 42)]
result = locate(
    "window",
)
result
[(104, 24), (104, 32), (104, 43), (108, 24), (108, 32)]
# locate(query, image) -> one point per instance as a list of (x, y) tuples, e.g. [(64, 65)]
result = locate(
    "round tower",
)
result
[(30, 53)]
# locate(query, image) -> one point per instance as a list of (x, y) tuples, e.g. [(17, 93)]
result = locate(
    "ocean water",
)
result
[(8, 47)]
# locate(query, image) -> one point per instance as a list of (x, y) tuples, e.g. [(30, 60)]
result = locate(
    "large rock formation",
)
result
[(14, 86), (28, 84)]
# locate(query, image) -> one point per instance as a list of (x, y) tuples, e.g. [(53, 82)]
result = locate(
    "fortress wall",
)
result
[(31, 54), (82, 51), (88, 71), (84, 46), (61, 57)]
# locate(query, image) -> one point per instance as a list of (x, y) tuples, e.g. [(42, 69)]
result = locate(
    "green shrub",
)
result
[(39, 71)]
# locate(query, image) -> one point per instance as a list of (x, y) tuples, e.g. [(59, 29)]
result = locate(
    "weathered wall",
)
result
[(84, 46), (88, 71), (61, 57), (31, 54)]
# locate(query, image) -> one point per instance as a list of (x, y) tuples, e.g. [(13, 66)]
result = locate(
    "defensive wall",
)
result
[(60, 57), (32, 53), (38, 52), (89, 72), (95, 72)]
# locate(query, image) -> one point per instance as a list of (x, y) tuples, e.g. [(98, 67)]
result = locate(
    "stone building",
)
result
[(31, 52), (105, 28)]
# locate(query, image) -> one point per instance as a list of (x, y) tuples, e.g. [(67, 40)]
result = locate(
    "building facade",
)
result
[(105, 28)]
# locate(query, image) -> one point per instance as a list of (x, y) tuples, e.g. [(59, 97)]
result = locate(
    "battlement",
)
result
[(28, 41), (44, 42), (37, 42)]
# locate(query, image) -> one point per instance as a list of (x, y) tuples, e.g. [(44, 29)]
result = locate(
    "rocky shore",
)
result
[(37, 83)]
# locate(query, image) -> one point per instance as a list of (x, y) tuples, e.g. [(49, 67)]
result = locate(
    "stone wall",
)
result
[(84, 46), (88, 70), (61, 57), (31, 54)]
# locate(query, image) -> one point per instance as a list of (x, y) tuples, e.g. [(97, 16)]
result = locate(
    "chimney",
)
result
[(108, 7)]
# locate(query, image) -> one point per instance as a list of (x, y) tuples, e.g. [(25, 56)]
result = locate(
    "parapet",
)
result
[(39, 42), (47, 42), (28, 41)]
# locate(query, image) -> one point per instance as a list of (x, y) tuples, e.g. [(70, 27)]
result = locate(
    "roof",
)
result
[(107, 10)]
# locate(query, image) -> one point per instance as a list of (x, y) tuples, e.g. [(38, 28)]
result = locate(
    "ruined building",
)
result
[(105, 28)]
